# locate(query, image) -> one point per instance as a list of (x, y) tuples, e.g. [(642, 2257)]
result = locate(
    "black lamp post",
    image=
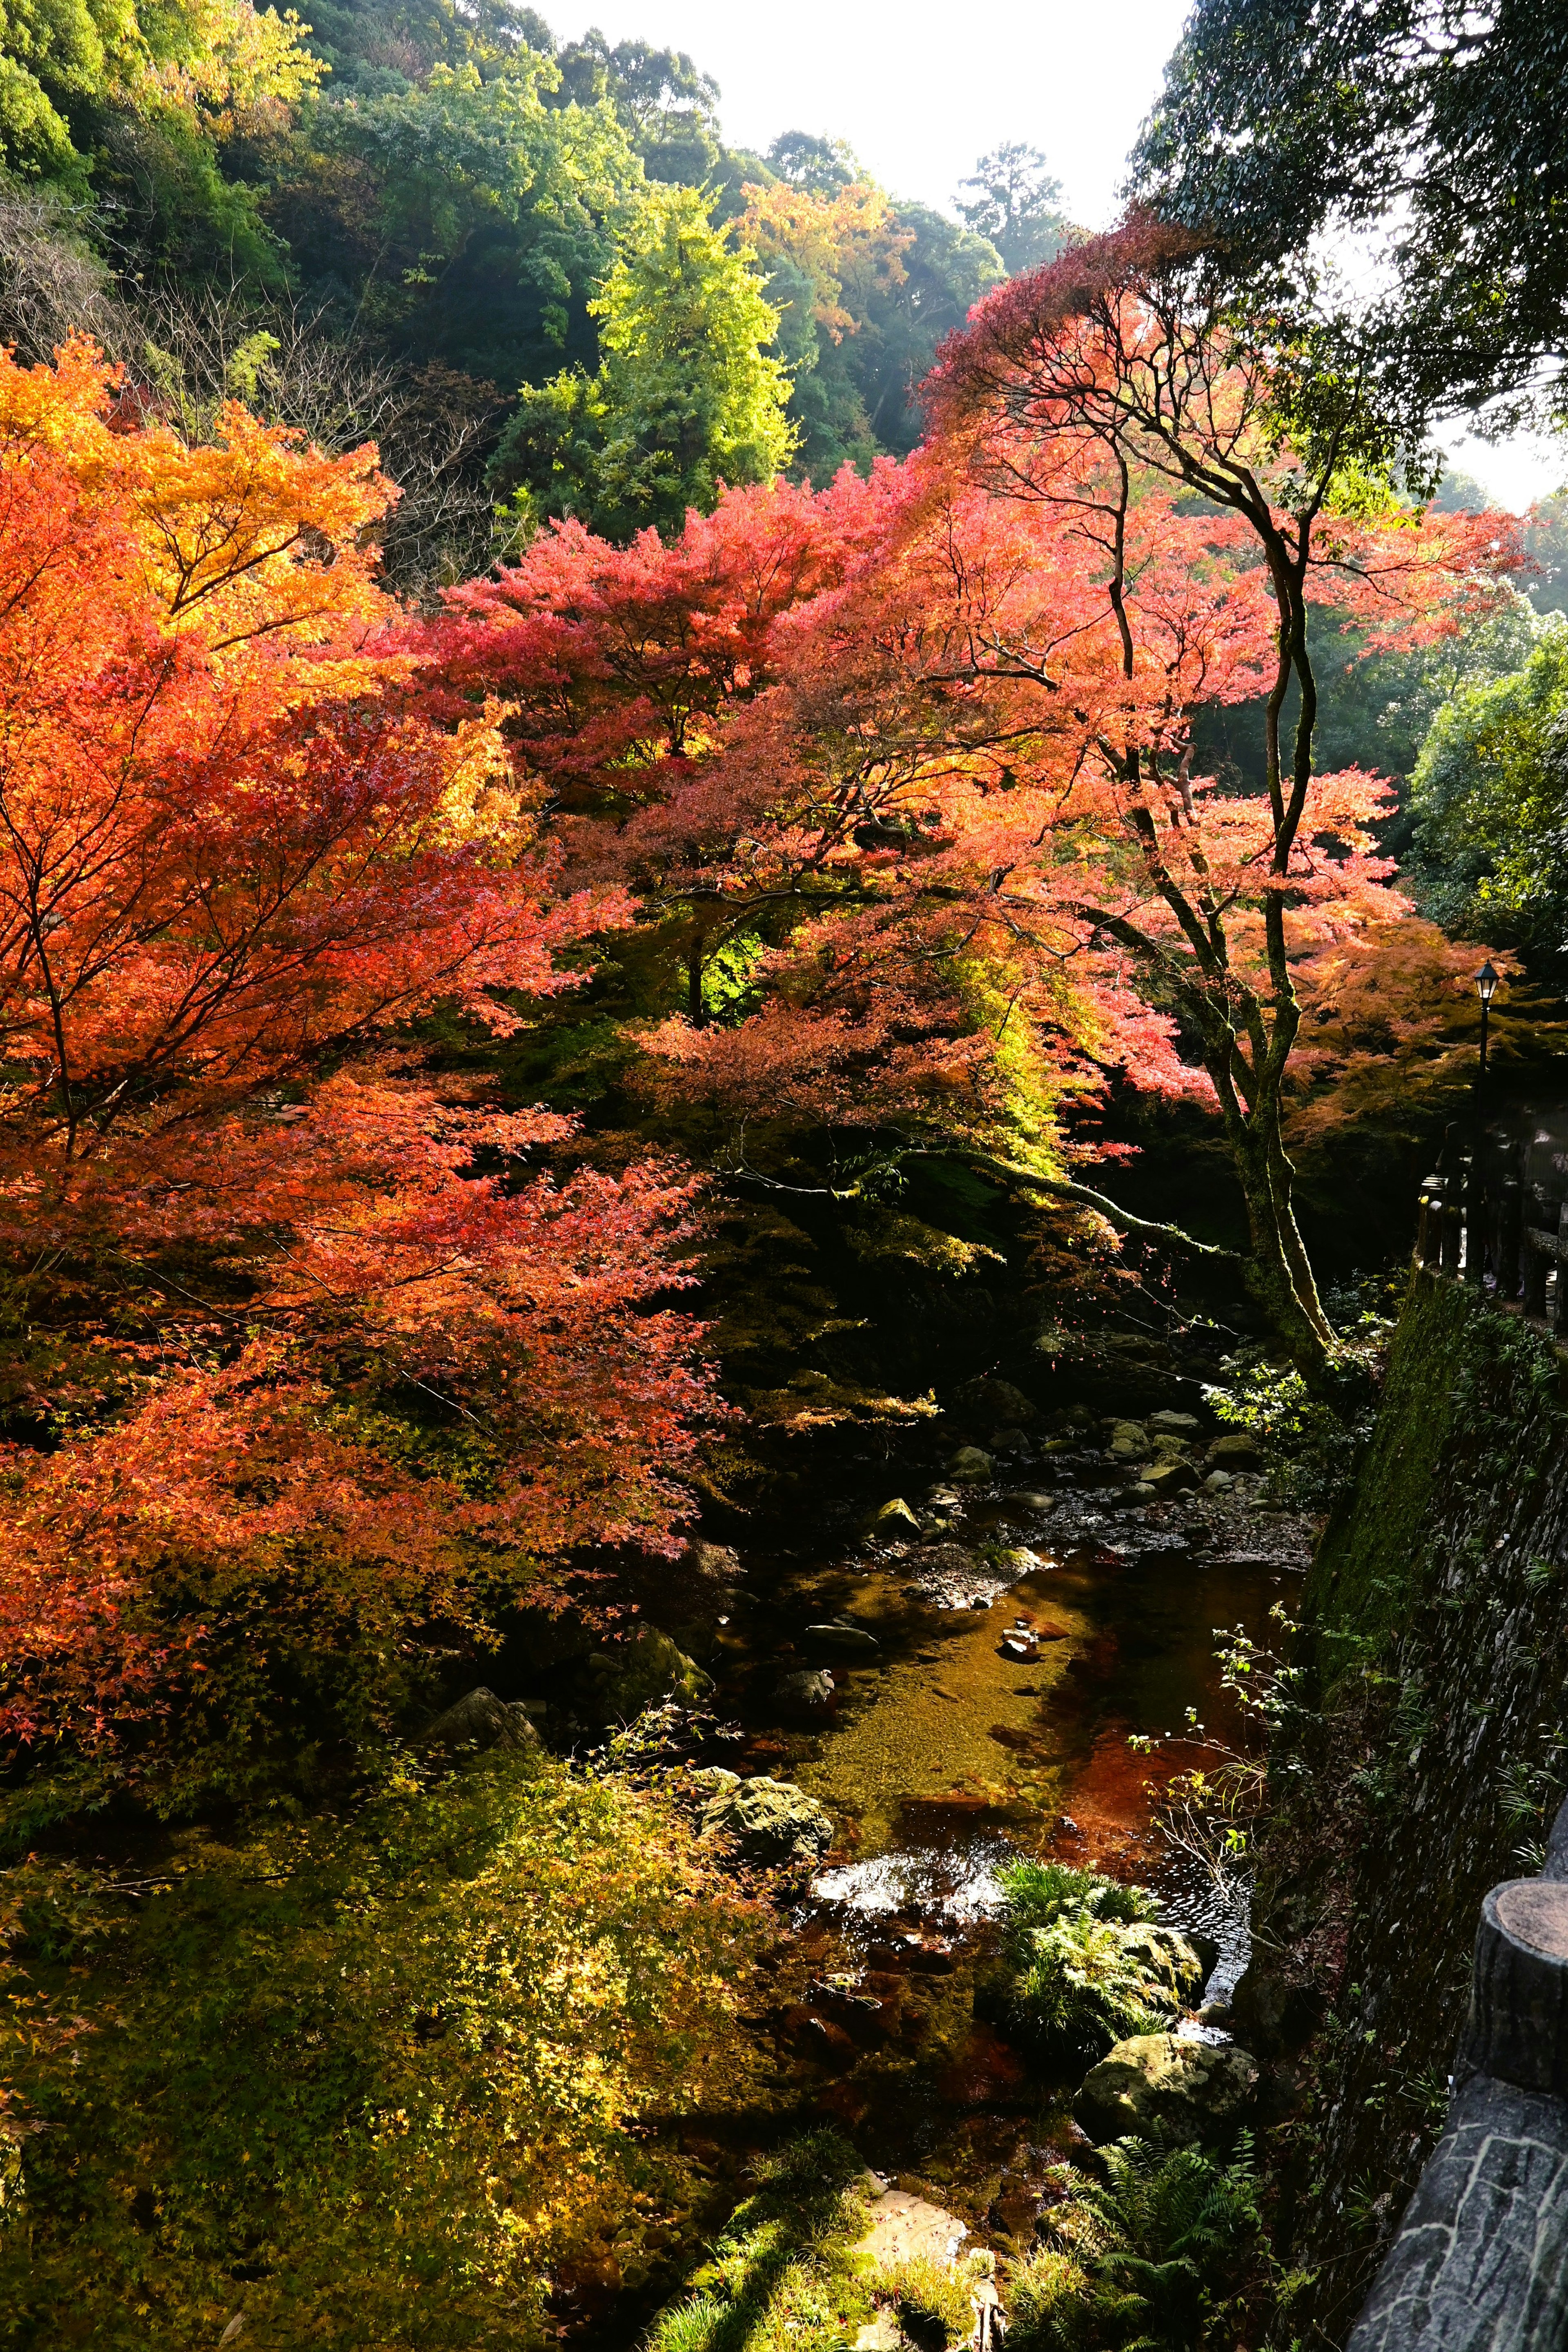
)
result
[(1486, 989)]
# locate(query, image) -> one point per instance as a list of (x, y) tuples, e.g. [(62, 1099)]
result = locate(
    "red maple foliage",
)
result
[(357, 1361), (932, 784)]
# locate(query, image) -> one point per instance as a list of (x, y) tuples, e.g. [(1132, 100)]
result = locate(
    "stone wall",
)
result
[(1429, 1757)]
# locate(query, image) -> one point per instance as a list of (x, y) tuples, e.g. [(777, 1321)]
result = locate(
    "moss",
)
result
[(1461, 1376)]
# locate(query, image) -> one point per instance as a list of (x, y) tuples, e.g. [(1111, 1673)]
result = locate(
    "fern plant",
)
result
[(1162, 2256)]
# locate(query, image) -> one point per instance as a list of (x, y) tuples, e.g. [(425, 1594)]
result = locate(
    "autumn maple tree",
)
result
[(922, 746), (309, 1352), (1124, 383)]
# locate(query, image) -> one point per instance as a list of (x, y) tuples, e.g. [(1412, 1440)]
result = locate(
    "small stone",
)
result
[(852, 1640), (1129, 1442), (1218, 1481), (1008, 1440), (804, 1688), (894, 1516), (1142, 1492), (1030, 1498), (1177, 1424), (1160, 2086), (969, 1466), (1237, 1450)]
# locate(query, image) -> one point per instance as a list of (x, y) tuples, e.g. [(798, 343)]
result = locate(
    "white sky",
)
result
[(921, 92)]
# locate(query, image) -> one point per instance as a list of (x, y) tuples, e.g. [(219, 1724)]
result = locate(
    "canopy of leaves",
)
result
[(320, 2074), (1490, 800), (1438, 121), (237, 868)]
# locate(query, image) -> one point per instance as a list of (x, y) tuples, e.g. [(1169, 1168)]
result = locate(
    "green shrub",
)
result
[(1037, 1894), (328, 2074), (1168, 2251), (1074, 1988), (930, 2299), (1050, 2303)]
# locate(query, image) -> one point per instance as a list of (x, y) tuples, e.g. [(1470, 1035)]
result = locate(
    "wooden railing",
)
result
[(1494, 1213)]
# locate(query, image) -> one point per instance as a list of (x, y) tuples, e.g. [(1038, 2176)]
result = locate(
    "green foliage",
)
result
[(1546, 553), (685, 398), (1311, 1446), (930, 2298), (468, 216), (1440, 129), (781, 2277), (1168, 2251), (1016, 206), (1076, 1988), (329, 2074), (1490, 801), (1037, 1894), (1374, 709)]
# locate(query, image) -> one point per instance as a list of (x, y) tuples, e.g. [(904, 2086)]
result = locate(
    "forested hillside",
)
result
[(733, 917), (391, 222)]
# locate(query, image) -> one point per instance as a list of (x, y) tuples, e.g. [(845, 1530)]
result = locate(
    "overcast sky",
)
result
[(921, 92)]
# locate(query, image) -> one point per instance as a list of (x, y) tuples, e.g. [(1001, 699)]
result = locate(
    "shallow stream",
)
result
[(940, 1758)]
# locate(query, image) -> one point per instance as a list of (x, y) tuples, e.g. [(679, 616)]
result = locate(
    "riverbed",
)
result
[(940, 1758)]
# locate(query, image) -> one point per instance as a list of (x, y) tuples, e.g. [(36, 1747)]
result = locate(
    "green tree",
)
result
[(1016, 206), (1490, 797), (1436, 123), (464, 217), (1546, 549), (946, 269), (687, 397)]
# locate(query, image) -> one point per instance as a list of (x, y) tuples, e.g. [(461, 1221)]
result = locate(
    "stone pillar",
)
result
[(1480, 2263)]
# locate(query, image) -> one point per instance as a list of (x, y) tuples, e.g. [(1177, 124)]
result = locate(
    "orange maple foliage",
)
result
[(235, 862)]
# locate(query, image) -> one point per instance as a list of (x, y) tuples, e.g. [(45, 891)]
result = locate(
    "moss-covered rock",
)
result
[(771, 1822), (651, 1668), (1162, 2087)]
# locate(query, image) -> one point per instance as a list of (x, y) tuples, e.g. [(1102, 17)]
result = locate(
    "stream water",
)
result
[(939, 1758)]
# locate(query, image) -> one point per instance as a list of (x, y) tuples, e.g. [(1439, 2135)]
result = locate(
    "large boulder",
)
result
[(1130, 1442), (998, 1399), (1237, 1450), (1171, 1479), (1166, 2087), (770, 1821), (482, 1721), (643, 1672), (969, 1468)]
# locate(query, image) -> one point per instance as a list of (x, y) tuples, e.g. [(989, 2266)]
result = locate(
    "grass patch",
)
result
[(783, 2277)]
